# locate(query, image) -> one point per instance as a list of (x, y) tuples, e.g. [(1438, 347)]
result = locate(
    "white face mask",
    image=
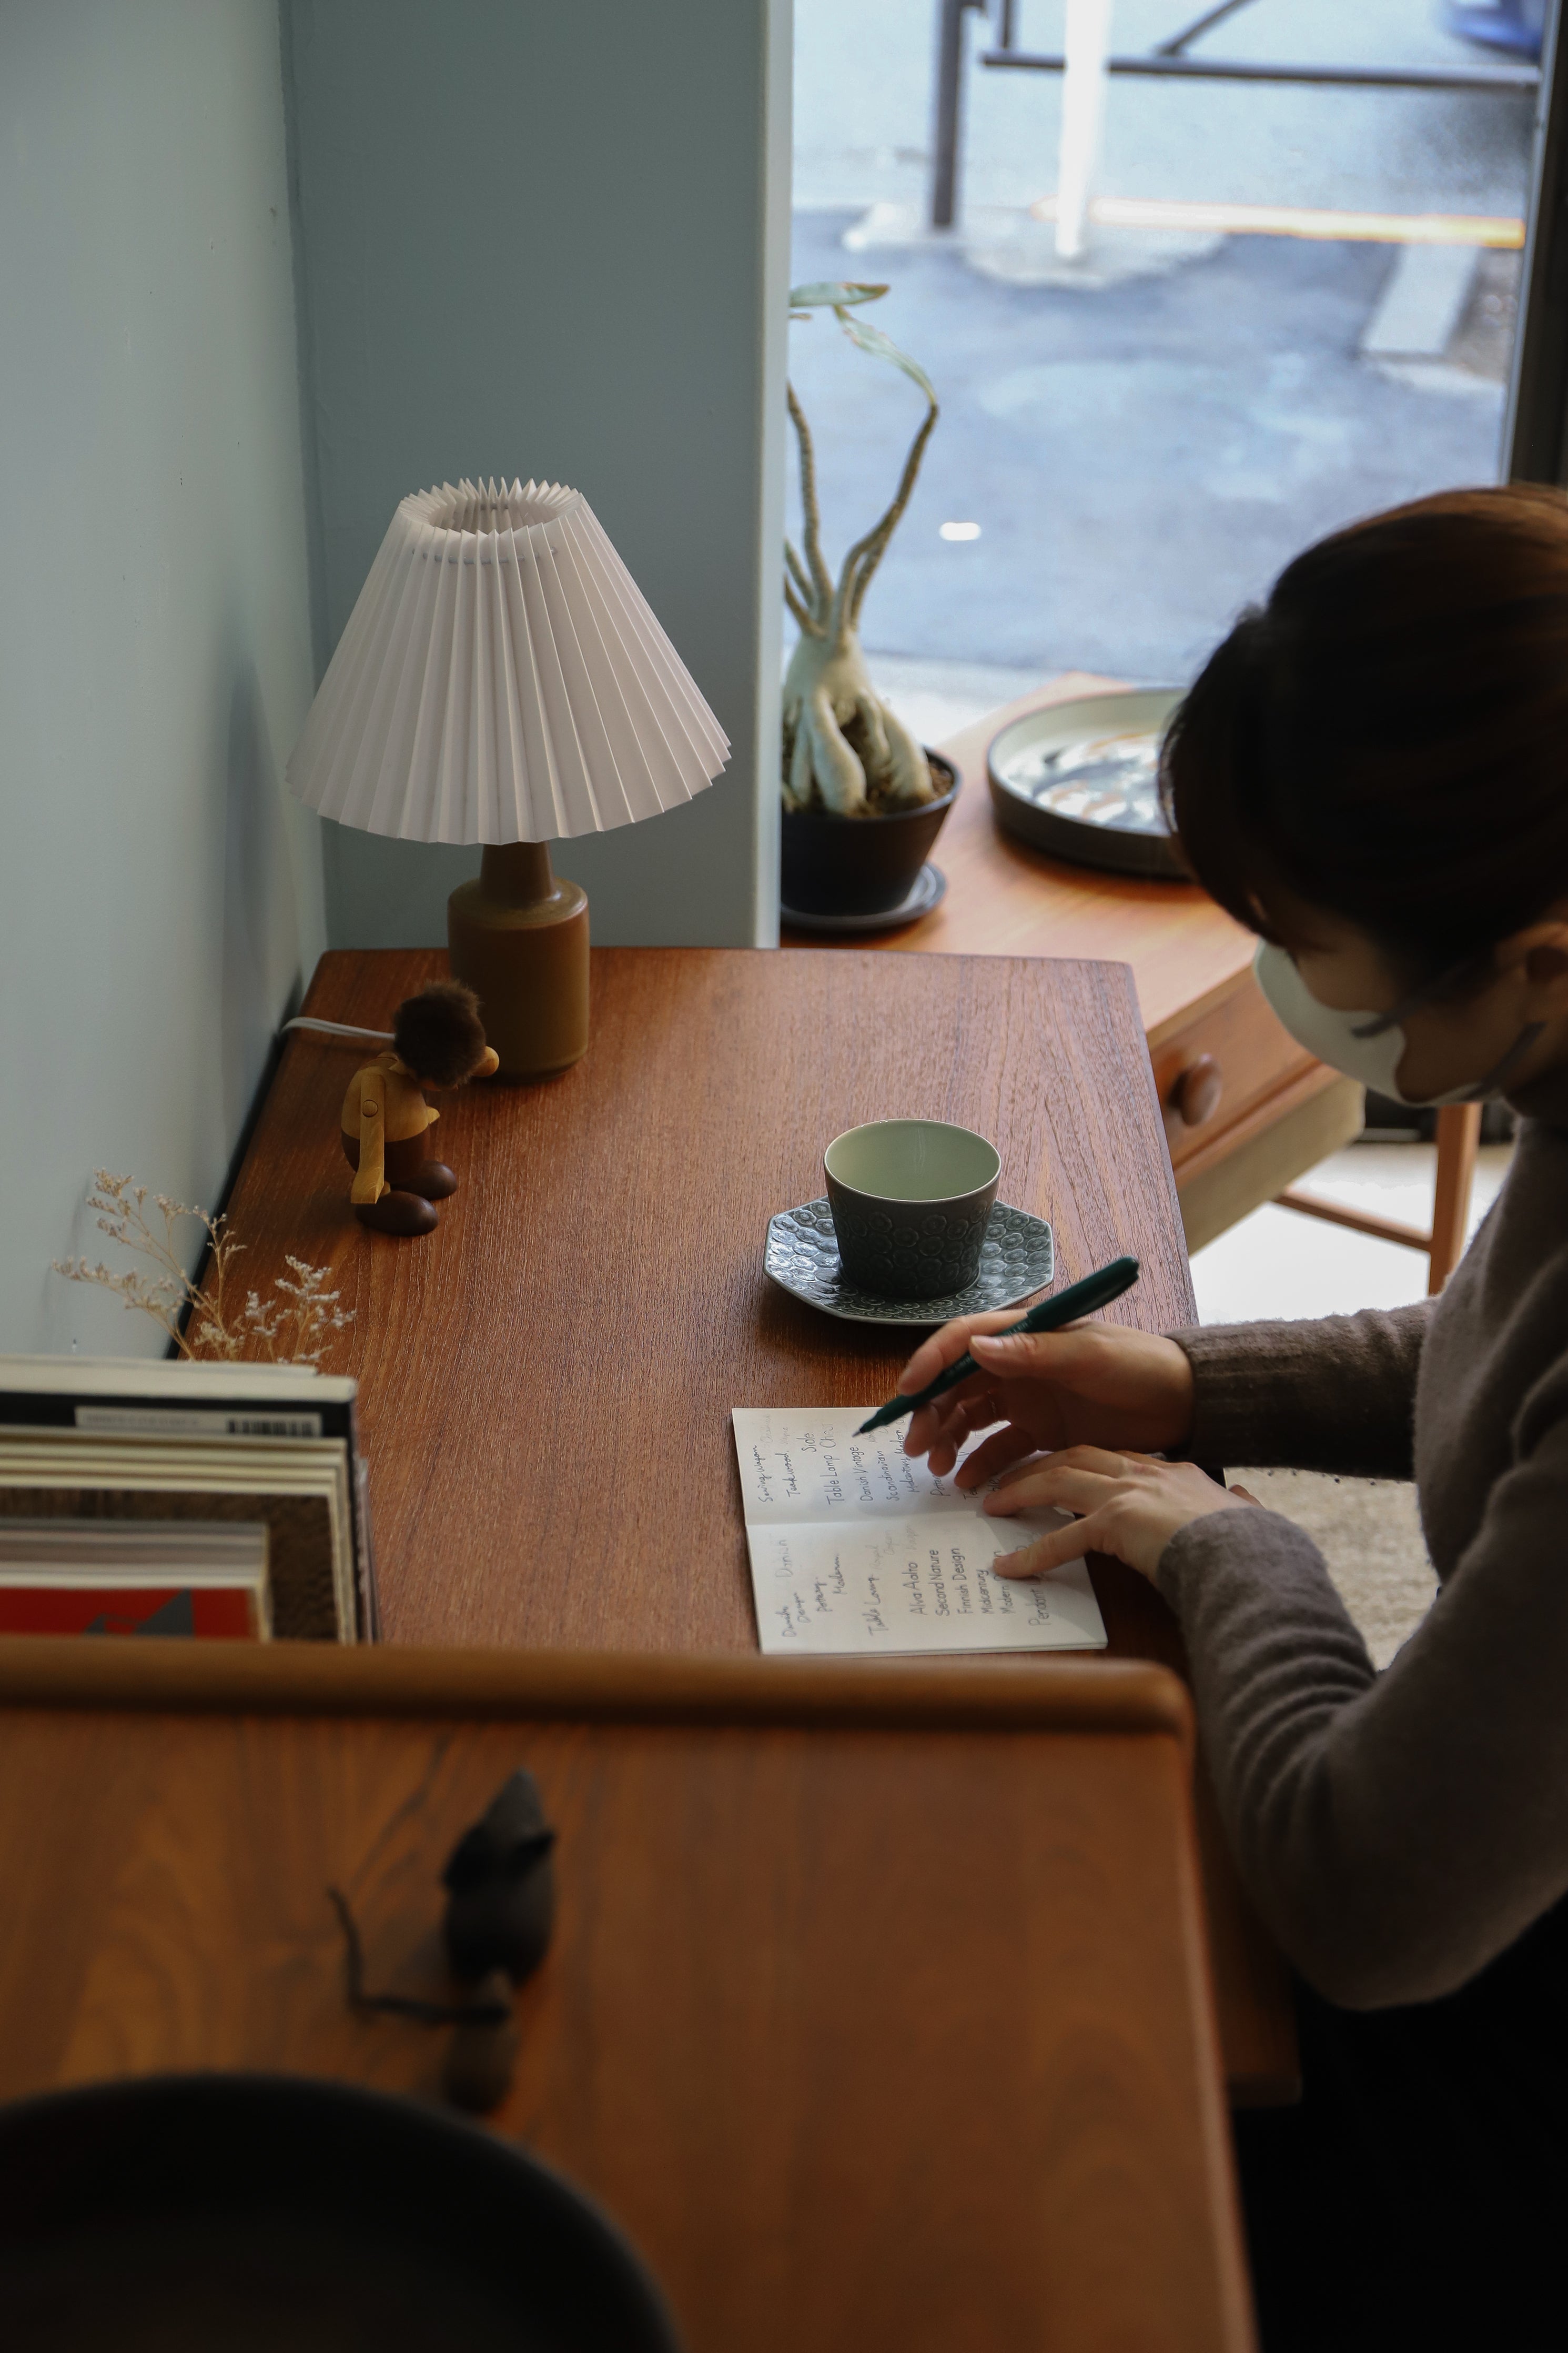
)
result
[(1368, 1046)]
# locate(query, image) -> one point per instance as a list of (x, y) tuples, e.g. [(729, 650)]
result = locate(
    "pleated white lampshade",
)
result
[(502, 679)]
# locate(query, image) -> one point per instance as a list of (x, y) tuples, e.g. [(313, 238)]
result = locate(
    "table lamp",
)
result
[(502, 680)]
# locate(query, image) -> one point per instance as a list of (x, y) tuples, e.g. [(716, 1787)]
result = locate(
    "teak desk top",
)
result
[(877, 2010), (546, 1382), (548, 1379)]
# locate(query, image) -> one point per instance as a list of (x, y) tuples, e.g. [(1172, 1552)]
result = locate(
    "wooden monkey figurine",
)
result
[(437, 1042)]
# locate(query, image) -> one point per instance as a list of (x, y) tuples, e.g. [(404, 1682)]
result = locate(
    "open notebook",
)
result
[(856, 1548)]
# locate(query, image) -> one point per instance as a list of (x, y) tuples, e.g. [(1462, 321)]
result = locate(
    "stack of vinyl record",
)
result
[(163, 1498)]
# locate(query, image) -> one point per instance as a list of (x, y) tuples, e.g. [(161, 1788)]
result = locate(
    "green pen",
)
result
[(1096, 1290)]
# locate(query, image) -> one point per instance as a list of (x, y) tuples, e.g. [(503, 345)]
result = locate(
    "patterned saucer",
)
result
[(1016, 1259)]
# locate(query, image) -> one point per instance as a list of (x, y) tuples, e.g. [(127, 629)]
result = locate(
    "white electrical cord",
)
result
[(340, 1029)]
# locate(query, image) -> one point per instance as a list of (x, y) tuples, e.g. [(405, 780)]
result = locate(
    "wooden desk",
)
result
[(601, 1270), (877, 2010), (1278, 1111)]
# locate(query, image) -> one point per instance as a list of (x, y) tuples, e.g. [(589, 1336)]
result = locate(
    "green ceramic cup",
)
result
[(910, 1201)]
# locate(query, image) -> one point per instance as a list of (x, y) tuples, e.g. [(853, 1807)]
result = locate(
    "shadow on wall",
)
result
[(254, 945), (261, 946)]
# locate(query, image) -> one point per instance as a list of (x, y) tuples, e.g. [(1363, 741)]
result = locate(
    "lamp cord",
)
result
[(340, 1029)]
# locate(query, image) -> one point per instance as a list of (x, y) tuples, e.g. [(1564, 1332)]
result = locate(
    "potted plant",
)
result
[(863, 802)]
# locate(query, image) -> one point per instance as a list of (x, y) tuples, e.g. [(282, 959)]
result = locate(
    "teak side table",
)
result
[(1246, 1111)]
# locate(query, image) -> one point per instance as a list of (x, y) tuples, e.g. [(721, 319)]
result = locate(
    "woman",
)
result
[(1372, 772)]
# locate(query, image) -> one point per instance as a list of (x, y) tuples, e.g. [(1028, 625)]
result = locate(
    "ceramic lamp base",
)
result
[(518, 936)]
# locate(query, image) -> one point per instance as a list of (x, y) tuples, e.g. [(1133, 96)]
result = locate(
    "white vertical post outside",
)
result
[(1086, 47)]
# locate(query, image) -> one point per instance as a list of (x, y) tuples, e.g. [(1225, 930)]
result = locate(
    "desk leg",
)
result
[(1458, 1134)]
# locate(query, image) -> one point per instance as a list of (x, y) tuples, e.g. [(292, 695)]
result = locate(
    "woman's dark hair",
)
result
[(438, 1034), (1388, 736)]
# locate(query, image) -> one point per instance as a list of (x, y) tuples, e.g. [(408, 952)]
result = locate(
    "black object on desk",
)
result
[(1096, 1290), (500, 1887)]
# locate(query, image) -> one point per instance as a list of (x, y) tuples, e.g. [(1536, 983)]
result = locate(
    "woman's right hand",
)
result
[(1088, 1385)]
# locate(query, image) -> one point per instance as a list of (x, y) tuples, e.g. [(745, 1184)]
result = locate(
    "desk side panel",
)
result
[(871, 2040)]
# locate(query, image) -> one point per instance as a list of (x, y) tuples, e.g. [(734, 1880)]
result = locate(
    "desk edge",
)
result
[(303, 1678)]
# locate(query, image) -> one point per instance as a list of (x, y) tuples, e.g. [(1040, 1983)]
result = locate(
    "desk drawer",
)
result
[(1218, 1063)]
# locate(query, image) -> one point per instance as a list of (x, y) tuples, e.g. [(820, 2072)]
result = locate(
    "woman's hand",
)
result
[(1127, 1505), (1089, 1384)]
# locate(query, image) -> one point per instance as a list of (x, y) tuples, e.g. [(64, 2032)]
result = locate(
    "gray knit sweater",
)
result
[(1399, 1829)]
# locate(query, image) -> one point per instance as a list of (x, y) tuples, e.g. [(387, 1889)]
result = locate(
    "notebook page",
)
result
[(857, 1550), (799, 1468)]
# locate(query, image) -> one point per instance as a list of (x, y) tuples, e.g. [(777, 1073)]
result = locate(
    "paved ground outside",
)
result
[(1141, 456)]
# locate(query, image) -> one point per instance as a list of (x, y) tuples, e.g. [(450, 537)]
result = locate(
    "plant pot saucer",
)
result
[(930, 884)]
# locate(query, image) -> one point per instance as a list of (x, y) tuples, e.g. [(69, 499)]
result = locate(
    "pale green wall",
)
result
[(158, 901), (539, 238), (548, 238)]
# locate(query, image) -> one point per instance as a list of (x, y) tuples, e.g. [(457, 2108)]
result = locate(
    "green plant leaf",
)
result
[(833, 296), (871, 339)]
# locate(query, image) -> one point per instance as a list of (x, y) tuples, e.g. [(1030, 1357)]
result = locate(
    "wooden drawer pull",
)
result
[(1196, 1094)]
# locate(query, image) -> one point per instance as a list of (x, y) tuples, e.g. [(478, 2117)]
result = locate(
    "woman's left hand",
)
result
[(1129, 1505)]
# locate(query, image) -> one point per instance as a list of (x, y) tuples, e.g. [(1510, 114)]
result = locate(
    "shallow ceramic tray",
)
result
[(1018, 1257), (925, 892), (1079, 780)]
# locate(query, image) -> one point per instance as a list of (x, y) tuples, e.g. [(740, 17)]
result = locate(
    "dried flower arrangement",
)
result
[(294, 1326)]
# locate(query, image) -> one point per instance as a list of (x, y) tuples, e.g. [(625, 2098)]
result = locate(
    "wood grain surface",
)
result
[(871, 2036), (1005, 898), (1079, 1693), (547, 1381)]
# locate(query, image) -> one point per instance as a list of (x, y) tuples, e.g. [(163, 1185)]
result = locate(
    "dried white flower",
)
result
[(293, 1328)]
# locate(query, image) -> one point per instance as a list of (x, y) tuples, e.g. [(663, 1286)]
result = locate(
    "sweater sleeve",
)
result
[(1393, 1856), (1338, 1394)]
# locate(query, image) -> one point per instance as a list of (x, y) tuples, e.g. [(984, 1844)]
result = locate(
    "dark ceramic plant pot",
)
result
[(860, 865)]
